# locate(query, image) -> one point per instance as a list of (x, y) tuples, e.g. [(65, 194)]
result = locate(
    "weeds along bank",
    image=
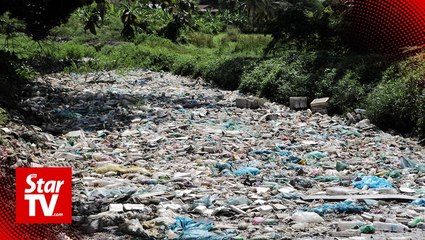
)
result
[(217, 50)]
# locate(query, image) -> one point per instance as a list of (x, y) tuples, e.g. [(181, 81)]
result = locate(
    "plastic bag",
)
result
[(307, 217), (189, 229), (316, 155), (347, 207), (247, 171), (407, 163), (372, 182), (284, 153), (419, 202)]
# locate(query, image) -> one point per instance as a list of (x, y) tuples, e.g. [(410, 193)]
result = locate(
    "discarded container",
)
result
[(415, 222), (320, 105), (342, 226), (298, 103), (390, 227)]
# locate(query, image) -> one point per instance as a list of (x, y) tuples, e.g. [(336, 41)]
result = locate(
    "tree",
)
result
[(39, 16), (301, 21)]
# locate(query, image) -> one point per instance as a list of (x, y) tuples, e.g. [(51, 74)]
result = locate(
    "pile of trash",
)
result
[(157, 156)]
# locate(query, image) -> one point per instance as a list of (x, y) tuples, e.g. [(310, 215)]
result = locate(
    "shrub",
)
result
[(226, 72), (347, 92), (184, 65), (398, 102), (201, 40), (279, 78)]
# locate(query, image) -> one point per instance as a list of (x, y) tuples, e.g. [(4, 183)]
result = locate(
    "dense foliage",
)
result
[(273, 49)]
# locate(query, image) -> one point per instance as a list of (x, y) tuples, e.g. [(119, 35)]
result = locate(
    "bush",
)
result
[(398, 102), (184, 65), (201, 40), (280, 78), (347, 93), (226, 72)]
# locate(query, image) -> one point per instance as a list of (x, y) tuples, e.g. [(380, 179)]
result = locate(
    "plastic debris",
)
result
[(307, 217), (415, 222), (170, 146), (367, 229), (347, 207), (407, 163), (247, 171), (316, 155), (371, 182), (340, 166), (189, 229), (293, 159), (327, 179), (419, 202)]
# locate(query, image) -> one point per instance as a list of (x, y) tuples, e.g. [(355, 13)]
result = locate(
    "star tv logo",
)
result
[(43, 195)]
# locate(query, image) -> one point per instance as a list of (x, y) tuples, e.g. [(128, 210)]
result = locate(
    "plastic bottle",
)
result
[(342, 226), (390, 227), (415, 222)]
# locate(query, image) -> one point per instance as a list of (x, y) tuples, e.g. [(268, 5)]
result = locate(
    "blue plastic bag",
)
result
[(188, 229), (347, 207), (284, 153), (419, 202), (222, 166), (247, 171), (372, 182)]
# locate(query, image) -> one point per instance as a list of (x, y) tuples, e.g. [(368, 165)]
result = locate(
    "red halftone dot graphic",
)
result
[(394, 27)]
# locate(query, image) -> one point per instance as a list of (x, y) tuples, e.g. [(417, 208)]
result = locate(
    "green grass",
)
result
[(219, 58)]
